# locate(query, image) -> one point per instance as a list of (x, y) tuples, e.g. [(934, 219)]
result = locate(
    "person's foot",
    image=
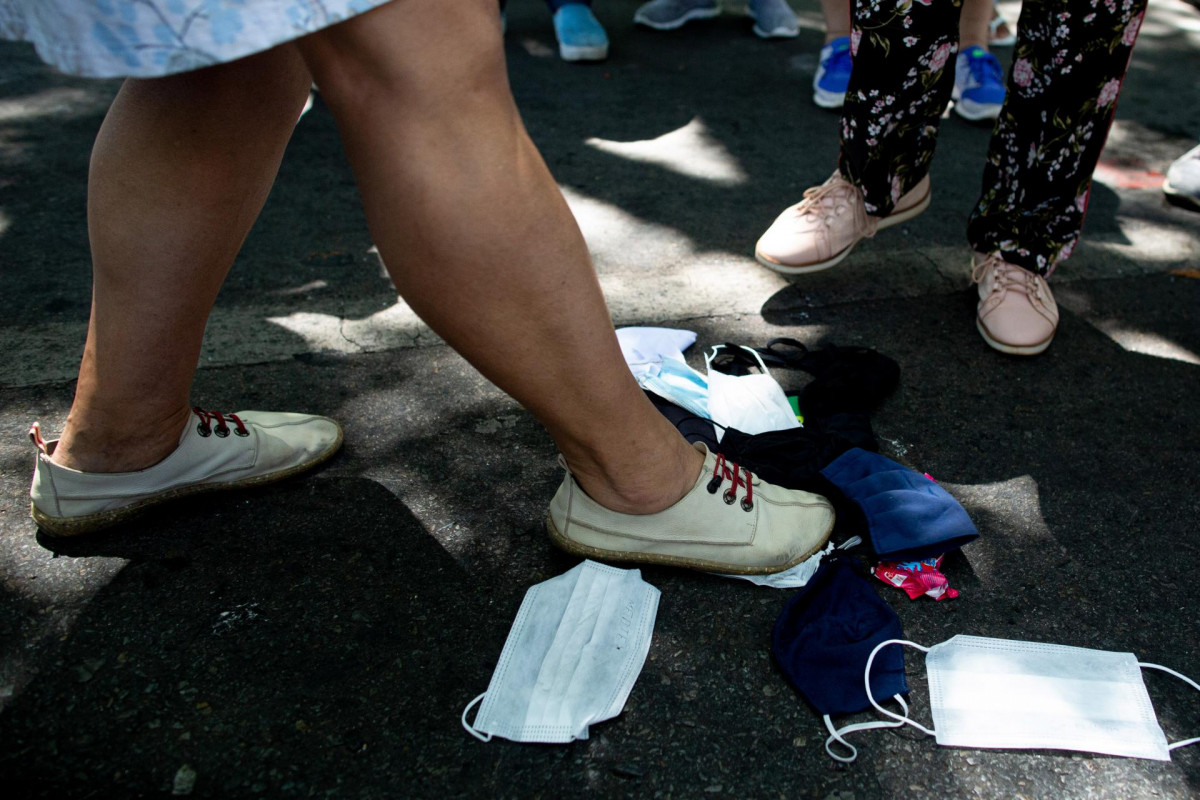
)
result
[(1182, 184), (833, 74), (978, 85), (667, 15), (581, 37), (1000, 33), (216, 451), (730, 521), (822, 229), (773, 19), (1016, 313)]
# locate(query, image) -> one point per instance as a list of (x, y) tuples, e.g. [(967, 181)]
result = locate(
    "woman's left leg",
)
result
[(1070, 61)]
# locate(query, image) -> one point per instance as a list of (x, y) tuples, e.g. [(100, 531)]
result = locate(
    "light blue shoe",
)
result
[(978, 85), (581, 37), (667, 15), (833, 74), (773, 19)]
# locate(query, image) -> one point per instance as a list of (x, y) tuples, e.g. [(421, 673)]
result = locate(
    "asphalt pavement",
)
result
[(320, 637)]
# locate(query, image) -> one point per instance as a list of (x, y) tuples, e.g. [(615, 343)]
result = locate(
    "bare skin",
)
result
[(972, 24), (472, 227)]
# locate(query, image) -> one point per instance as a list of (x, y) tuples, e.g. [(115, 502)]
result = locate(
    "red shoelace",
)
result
[(727, 469), (222, 428)]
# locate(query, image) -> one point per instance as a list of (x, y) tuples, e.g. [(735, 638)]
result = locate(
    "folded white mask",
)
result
[(574, 652), (998, 693), (749, 403)]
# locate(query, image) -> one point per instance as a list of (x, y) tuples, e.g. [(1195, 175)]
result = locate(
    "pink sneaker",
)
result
[(822, 229), (1017, 313)]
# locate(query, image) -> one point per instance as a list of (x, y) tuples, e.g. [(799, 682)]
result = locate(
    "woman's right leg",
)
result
[(180, 169)]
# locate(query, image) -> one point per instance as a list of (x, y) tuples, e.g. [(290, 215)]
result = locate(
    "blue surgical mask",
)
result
[(676, 381)]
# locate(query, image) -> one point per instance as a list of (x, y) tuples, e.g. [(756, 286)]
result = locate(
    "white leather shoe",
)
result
[(216, 451), (730, 522)]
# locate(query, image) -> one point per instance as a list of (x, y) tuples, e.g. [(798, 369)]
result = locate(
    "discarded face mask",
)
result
[(674, 380), (999, 693), (826, 634), (644, 348), (574, 652), (909, 516), (753, 403), (800, 574)]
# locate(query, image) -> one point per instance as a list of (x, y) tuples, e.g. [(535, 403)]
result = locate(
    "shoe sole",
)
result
[(827, 99), (976, 112), (679, 22), (1176, 196), (887, 222), (583, 53), (588, 551), (64, 527), (1012, 349)]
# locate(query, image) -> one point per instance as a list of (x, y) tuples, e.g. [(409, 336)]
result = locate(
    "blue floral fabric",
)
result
[(151, 38)]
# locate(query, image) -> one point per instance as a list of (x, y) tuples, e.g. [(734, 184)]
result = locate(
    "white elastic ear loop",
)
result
[(867, 682), (837, 734), (470, 729), (708, 357), (1185, 679)]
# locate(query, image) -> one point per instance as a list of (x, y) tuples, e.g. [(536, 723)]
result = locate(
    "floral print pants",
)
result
[(1068, 65)]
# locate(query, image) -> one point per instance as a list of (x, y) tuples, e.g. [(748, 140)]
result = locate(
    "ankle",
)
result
[(104, 446), (642, 484)]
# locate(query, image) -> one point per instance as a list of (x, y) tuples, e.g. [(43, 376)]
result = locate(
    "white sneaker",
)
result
[(730, 522), (240, 450)]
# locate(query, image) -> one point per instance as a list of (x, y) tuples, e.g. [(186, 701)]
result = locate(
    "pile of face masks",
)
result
[(579, 640)]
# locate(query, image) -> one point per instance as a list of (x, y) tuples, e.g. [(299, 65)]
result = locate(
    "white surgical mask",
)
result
[(645, 348), (998, 693), (749, 403), (574, 652)]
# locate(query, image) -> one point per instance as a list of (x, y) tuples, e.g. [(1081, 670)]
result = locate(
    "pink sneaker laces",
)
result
[(205, 428), (1008, 276), (822, 204), (726, 469)]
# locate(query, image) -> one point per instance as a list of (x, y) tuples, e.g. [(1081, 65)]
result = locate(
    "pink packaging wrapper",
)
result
[(917, 578)]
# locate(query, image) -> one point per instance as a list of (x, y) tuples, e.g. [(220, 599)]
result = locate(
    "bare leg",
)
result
[(181, 167), (479, 239), (973, 24), (837, 18)]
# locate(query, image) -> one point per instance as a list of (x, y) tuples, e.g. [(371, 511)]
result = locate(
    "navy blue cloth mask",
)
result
[(823, 639), (825, 634), (909, 517)]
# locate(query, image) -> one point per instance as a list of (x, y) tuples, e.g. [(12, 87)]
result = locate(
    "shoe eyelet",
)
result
[(747, 505), (713, 485), (204, 430), (729, 497), (222, 431), (240, 432)]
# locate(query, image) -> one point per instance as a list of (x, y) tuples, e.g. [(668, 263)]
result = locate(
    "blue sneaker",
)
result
[(581, 37), (978, 85), (833, 74)]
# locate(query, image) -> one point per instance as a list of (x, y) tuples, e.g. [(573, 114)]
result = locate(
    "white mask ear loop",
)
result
[(470, 729), (837, 734), (1185, 679), (867, 682), (708, 358)]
